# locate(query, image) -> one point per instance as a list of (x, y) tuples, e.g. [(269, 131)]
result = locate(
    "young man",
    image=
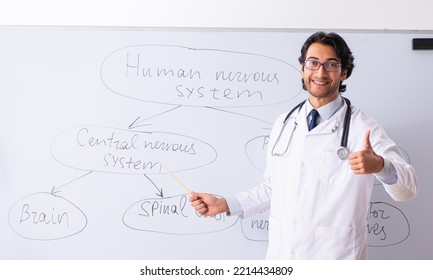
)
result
[(322, 160)]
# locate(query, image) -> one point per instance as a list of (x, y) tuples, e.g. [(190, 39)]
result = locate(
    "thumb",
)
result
[(194, 196), (367, 144)]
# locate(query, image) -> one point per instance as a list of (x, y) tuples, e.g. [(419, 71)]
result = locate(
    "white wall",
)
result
[(401, 15)]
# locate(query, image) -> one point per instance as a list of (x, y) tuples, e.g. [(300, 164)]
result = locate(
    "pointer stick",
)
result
[(176, 179)]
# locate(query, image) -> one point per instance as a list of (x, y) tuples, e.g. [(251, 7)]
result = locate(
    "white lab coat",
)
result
[(318, 206)]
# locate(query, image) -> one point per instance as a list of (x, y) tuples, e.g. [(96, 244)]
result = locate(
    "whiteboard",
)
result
[(88, 114)]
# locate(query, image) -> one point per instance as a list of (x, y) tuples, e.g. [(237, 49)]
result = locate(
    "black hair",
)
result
[(341, 48)]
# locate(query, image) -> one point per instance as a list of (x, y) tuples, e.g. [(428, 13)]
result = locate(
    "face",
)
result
[(322, 85)]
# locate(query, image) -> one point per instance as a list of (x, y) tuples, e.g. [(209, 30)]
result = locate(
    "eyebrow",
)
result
[(328, 59)]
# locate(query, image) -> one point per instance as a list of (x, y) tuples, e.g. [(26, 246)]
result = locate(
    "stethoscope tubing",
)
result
[(342, 152)]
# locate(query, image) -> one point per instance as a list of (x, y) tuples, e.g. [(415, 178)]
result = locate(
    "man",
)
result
[(319, 202)]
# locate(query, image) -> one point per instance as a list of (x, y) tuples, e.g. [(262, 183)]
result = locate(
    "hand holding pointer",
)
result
[(208, 204)]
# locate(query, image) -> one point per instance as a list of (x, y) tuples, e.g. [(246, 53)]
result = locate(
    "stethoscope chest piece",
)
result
[(343, 153)]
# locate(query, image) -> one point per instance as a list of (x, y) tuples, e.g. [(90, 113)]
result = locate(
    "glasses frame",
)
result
[(324, 64)]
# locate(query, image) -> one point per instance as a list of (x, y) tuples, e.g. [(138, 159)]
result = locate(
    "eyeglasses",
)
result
[(315, 65)]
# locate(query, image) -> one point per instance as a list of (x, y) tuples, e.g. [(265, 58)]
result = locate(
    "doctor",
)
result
[(319, 202)]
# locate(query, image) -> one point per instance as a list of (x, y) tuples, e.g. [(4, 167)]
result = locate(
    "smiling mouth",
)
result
[(320, 83)]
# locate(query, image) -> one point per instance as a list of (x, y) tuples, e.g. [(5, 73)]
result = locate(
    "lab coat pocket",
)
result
[(335, 243), (332, 170)]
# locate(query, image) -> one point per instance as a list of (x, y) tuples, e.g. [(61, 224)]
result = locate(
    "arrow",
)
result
[(139, 123), (136, 123), (55, 189), (239, 114), (159, 193)]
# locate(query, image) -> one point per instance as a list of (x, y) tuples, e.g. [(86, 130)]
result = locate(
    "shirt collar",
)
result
[(328, 110)]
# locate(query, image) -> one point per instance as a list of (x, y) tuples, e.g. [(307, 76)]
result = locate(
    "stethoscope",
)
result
[(342, 152)]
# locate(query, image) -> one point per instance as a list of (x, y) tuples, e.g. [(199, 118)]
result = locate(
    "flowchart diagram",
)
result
[(175, 81)]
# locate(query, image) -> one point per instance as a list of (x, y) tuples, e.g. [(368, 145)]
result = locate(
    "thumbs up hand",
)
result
[(366, 161)]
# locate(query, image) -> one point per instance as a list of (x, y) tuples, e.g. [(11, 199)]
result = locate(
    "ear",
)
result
[(343, 75)]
